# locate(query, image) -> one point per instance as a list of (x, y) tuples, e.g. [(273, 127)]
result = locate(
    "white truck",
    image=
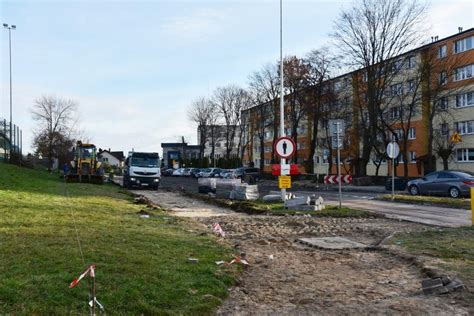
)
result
[(142, 169)]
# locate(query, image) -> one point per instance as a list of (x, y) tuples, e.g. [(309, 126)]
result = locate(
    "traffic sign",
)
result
[(393, 150), (284, 182), (290, 169), (456, 138), (285, 147), (336, 127), (336, 179), (336, 143)]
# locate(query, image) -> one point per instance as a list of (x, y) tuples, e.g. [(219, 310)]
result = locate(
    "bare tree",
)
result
[(437, 71), (200, 113), (296, 73), (321, 63), (371, 34), (402, 104), (230, 101), (55, 119), (264, 85)]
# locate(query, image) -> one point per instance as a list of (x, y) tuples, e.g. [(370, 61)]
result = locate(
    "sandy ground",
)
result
[(286, 278)]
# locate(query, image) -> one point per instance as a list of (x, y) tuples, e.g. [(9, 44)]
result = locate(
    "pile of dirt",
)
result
[(287, 278)]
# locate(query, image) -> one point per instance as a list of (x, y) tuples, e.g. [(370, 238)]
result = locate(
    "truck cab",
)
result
[(142, 170)]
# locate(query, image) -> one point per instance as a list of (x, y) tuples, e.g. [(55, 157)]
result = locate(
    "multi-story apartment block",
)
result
[(215, 139), (428, 95)]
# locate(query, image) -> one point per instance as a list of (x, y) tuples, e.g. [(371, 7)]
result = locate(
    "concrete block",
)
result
[(431, 286), (304, 200)]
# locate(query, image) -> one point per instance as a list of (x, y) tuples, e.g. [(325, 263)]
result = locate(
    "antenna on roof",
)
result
[(460, 29), (432, 39), (436, 37)]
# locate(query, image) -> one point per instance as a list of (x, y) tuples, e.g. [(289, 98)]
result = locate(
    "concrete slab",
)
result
[(331, 243)]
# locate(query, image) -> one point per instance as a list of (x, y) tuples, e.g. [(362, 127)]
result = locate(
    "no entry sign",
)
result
[(285, 147)]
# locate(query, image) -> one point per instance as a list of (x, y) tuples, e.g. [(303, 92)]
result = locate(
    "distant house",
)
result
[(112, 158)]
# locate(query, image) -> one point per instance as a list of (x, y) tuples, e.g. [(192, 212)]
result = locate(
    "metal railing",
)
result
[(10, 146)]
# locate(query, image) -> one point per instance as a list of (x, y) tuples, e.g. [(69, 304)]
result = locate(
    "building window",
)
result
[(444, 129), (443, 103), (464, 44), (411, 62), (463, 73), (412, 133), (412, 156), (465, 127), (465, 154), (396, 135), (268, 149), (396, 89), (443, 77), (399, 158), (442, 51), (300, 146), (395, 112), (268, 161), (411, 85), (465, 99)]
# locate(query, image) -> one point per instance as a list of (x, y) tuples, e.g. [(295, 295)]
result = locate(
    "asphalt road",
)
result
[(430, 215)]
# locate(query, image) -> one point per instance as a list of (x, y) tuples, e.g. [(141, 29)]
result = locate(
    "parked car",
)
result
[(208, 172), (168, 172), (178, 172), (216, 172), (250, 175), (186, 172), (451, 182), (194, 172), (227, 174)]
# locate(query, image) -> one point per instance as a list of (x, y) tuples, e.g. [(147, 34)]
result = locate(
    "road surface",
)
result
[(425, 214)]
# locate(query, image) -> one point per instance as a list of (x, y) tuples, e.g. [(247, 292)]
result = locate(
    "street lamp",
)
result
[(10, 28)]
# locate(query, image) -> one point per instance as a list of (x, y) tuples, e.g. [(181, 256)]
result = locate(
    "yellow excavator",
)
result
[(85, 167)]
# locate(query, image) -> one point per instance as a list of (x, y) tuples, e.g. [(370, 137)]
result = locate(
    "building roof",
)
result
[(117, 154)]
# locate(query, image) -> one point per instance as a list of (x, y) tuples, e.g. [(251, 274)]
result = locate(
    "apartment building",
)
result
[(215, 138), (430, 91)]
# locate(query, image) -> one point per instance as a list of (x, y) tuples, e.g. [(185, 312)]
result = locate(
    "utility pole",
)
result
[(9, 28), (282, 102)]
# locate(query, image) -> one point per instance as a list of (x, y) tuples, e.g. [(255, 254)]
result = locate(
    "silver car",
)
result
[(451, 182)]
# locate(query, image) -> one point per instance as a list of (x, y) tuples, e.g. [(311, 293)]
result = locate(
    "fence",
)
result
[(11, 140)]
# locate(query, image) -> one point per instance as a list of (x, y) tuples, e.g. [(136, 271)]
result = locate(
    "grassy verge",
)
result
[(142, 264), (263, 208), (454, 246), (428, 200)]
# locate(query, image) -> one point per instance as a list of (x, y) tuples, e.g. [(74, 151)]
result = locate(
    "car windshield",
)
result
[(206, 170), (144, 161)]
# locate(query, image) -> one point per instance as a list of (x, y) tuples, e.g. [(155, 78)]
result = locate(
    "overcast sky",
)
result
[(135, 66)]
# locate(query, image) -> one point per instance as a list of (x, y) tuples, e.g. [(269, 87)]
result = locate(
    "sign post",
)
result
[(284, 147), (337, 128), (393, 150)]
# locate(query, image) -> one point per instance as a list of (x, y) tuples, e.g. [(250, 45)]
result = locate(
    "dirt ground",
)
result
[(287, 278)]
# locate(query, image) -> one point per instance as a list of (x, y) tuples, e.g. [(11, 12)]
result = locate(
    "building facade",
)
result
[(428, 96), (174, 154)]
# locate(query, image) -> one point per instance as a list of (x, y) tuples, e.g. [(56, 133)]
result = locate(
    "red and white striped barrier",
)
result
[(89, 270), (335, 179), (218, 229)]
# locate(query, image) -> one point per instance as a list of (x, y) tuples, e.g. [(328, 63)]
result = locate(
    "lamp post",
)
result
[(10, 28)]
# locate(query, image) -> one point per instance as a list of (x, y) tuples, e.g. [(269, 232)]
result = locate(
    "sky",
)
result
[(134, 67)]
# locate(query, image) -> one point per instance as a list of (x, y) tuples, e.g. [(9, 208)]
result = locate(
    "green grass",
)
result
[(455, 246), (142, 265), (429, 200)]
